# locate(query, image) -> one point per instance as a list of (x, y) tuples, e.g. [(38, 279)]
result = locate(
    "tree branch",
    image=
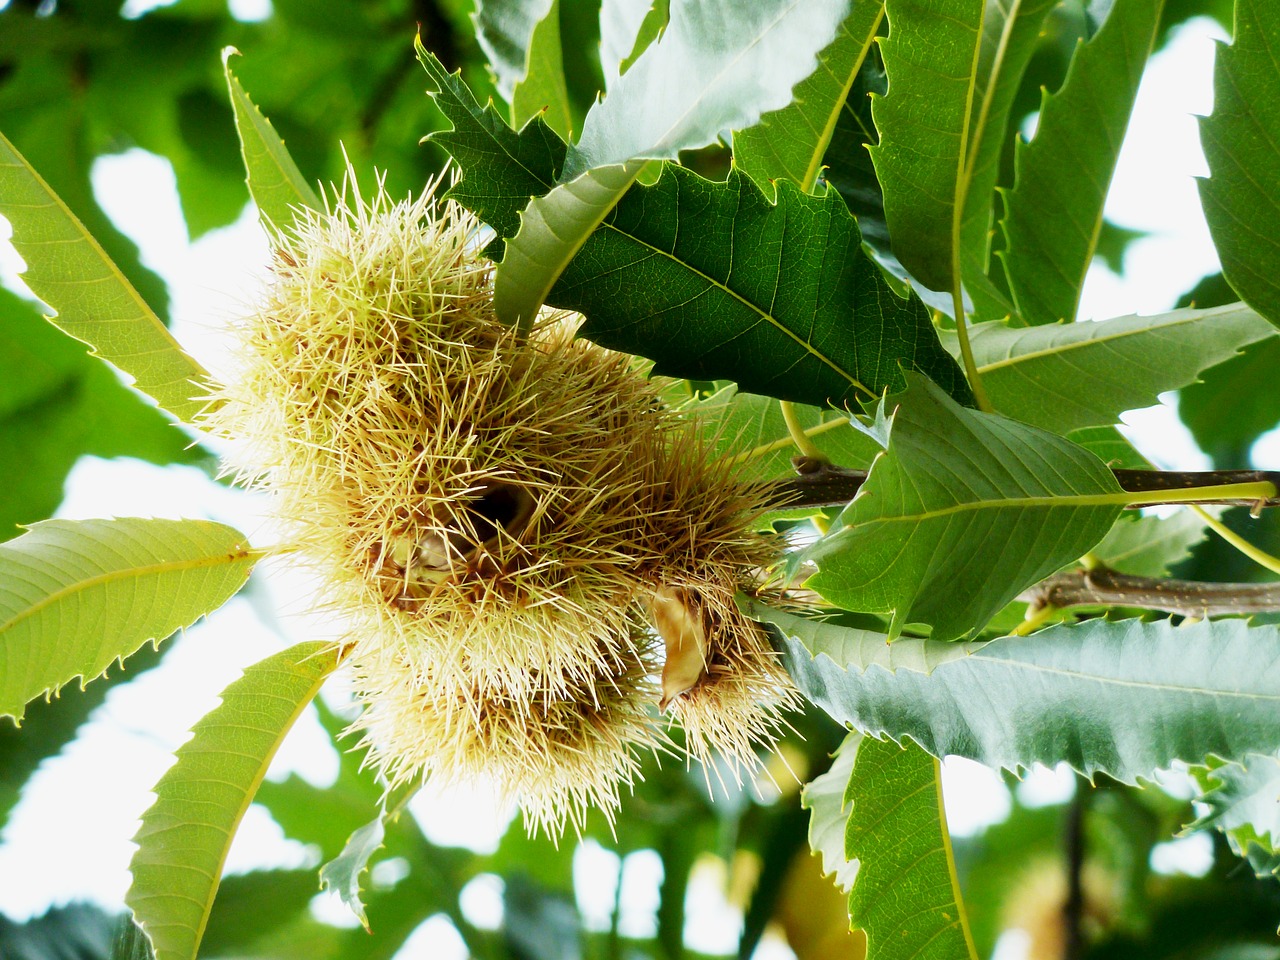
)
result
[(821, 484), (1188, 598)]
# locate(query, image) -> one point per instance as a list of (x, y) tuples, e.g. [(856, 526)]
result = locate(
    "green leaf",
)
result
[(502, 169), (848, 162), (1122, 698), (627, 28), (931, 56), (1149, 546), (1053, 214), (713, 282), (56, 404), (185, 835), (1062, 377), (1234, 403), (1011, 32), (1242, 145), (504, 30), (792, 142), (76, 596), (906, 895), (749, 428), (1243, 801), (341, 875), (68, 269), (775, 326), (718, 66), (275, 182), (962, 512), (824, 797), (543, 90)]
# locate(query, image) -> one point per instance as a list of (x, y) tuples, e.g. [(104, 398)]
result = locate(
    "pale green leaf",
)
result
[(791, 142), (1053, 214), (962, 512), (68, 269), (718, 66), (342, 874), (906, 895), (627, 27), (824, 798), (1242, 144), (1243, 801), (185, 835), (275, 182), (1062, 377), (931, 56), (75, 596), (504, 29), (749, 431), (1122, 698), (542, 90), (852, 645), (1149, 546)]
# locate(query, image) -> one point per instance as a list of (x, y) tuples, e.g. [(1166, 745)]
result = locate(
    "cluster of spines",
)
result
[(492, 514)]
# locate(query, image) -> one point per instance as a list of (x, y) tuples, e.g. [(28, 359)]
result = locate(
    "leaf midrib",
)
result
[(235, 555)]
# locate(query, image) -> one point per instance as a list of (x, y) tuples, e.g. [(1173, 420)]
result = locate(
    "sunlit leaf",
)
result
[(68, 269), (75, 596), (275, 182), (1053, 214), (1242, 145), (962, 512), (185, 835), (1149, 546), (906, 895), (542, 89)]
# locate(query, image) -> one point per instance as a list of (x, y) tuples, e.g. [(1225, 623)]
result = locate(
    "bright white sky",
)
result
[(64, 822)]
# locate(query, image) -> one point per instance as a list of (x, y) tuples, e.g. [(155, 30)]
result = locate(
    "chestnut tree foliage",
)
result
[(818, 220)]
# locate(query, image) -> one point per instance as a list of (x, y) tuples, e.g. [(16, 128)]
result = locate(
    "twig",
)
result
[(821, 484), (1188, 598)]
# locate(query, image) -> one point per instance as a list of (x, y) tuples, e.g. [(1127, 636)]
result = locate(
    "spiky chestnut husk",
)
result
[(560, 753), (494, 515)]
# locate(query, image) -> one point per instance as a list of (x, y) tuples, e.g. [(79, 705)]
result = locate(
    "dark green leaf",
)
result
[(906, 895), (77, 931), (712, 282), (77, 595), (186, 833), (962, 512), (931, 56), (1122, 698), (1053, 215), (1234, 403), (1242, 145)]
